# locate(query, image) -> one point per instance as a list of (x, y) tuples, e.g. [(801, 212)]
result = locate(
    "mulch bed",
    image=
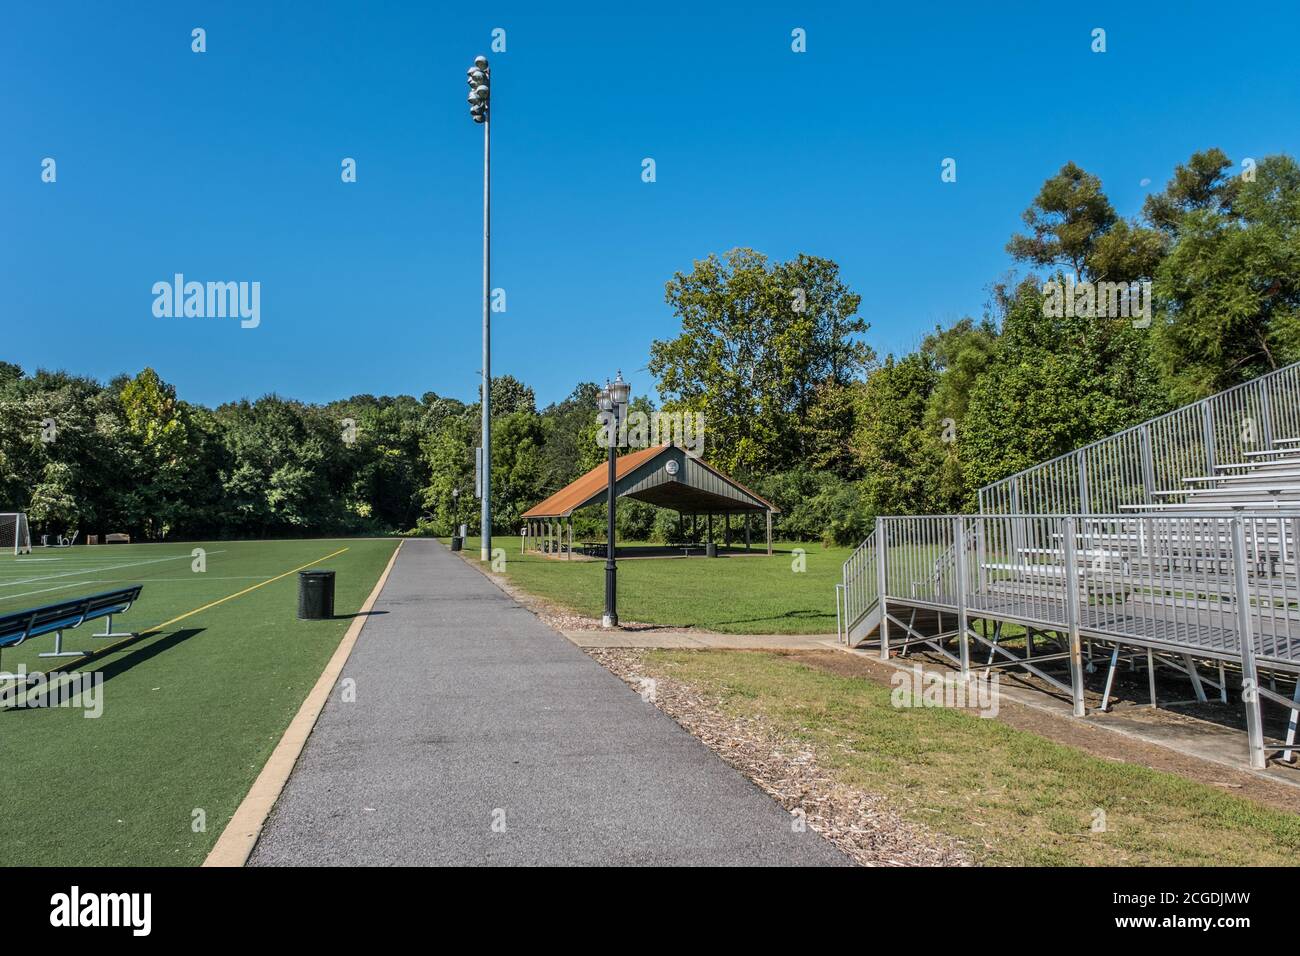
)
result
[(858, 823)]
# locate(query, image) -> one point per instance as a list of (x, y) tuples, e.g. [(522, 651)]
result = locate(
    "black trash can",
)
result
[(457, 542), (315, 595), (711, 550)]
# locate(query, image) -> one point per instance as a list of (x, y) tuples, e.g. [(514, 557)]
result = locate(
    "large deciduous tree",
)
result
[(1230, 286), (760, 346)]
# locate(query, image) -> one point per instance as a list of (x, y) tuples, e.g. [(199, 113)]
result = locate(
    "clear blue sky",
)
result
[(225, 166)]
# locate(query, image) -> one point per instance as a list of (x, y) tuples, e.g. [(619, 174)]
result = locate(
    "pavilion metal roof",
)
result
[(693, 486)]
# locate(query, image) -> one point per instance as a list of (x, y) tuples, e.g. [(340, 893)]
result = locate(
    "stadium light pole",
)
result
[(612, 400), (480, 82)]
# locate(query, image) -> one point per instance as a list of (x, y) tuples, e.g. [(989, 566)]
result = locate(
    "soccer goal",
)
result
[(15, 536)]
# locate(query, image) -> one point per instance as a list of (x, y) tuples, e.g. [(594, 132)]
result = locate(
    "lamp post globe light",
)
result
[(612, 401), (479, 77)]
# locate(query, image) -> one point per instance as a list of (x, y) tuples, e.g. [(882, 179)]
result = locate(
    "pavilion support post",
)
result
[(769, 532), (710, 527), (569, 555), (726, 530), (746, 530)]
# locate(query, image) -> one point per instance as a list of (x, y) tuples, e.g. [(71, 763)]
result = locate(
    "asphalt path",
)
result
[(479, 735)]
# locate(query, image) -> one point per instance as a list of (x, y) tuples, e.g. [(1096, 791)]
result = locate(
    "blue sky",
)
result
[(225, 166)]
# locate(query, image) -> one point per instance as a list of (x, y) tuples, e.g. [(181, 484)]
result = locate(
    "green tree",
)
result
[(1230, 286), (1066, 219), (757, 342), (895, 453), (1053, 384)]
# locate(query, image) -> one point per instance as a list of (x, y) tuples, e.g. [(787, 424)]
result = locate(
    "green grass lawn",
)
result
[(190, 712), (1011, 796), (750, 594)]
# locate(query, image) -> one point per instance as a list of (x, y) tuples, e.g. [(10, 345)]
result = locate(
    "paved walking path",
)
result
[(470, 711)]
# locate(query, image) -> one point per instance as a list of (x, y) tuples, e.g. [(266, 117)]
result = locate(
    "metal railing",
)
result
[(1132, 466), (1219, 586), (859, 589), (1150, 579)]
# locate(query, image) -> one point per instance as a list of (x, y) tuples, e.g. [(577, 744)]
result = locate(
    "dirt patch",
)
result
[(859, 823), (1093, 740)]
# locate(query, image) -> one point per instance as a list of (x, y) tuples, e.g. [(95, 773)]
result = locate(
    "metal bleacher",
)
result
[(1172, 543)]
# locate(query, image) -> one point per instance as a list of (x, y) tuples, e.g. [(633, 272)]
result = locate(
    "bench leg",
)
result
[(59, 651), (109, 632)]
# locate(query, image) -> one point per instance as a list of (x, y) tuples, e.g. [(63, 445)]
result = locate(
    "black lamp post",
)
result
[(612, 400), (457, 542)]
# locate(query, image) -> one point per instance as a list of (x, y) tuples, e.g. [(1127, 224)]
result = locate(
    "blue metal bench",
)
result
[(20, 626)]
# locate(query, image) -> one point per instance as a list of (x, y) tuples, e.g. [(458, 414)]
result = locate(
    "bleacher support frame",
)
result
[(1177, 587)]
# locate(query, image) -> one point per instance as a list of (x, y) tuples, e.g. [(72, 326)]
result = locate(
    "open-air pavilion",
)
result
[(665, 476)]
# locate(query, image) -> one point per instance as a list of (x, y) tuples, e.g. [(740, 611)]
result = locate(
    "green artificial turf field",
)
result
[(191, 708)]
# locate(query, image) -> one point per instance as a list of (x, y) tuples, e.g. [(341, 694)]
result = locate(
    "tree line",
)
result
[(774, 355)]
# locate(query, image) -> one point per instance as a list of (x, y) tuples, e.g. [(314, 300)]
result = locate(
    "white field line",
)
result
[(112, 567), (57, 587), (197, 578)]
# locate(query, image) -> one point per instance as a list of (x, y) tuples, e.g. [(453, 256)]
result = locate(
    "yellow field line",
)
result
[(100, 652), (231, 597)]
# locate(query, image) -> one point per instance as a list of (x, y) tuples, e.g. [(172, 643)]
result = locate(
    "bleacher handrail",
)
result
[(1130, 466)]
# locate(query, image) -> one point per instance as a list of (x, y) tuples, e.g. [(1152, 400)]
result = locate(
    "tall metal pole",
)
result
[(611, 569), (485, 552)]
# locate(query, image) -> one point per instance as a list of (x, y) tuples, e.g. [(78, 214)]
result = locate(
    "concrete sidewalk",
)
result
[(681, 639), (469, 711)]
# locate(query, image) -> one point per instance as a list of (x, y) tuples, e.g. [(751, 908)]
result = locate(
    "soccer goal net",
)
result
[(14, 533)]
